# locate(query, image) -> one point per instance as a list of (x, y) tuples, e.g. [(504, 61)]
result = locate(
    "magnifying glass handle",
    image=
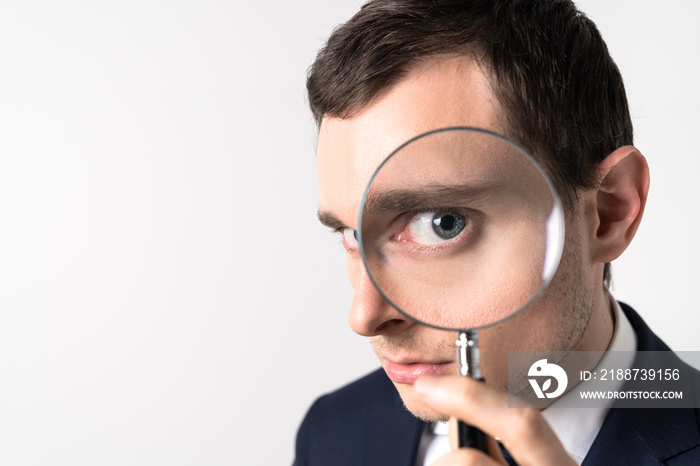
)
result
[(468, 357), (472, 437)]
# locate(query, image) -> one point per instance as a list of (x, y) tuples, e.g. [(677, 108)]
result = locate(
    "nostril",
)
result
[(388, 325)]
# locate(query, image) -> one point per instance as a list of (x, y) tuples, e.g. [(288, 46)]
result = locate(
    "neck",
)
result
[(599, 332)]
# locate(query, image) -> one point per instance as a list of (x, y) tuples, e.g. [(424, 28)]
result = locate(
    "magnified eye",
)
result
[(433, 227)]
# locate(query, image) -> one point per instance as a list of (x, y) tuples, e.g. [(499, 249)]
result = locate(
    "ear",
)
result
[(620, 200)]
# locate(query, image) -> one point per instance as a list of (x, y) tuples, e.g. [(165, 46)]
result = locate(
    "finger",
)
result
[(454, 440), (494, 451), (523, 431), (466, 457)]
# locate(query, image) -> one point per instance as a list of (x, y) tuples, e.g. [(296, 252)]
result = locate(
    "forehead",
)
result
[(440, 92)]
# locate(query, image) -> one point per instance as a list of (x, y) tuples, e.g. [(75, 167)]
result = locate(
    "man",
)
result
[(538, 72)]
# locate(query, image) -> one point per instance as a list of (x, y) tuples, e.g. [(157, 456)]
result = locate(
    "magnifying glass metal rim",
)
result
[(556, 208)]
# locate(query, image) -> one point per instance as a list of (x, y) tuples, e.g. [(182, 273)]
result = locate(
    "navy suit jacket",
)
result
[(365, 423)]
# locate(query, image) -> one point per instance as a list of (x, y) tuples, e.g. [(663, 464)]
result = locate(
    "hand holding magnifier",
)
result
[(461, 229)]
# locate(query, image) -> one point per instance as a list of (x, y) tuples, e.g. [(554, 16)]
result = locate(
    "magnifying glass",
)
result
[(461, 229)]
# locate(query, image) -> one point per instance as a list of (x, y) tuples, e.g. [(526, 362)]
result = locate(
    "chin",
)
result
[(411, 400)]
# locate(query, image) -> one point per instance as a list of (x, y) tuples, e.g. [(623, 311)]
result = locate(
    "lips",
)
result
[(408, 371)]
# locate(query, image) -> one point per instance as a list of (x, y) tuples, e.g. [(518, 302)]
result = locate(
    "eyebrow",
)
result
[(430, 197), (330, 220)]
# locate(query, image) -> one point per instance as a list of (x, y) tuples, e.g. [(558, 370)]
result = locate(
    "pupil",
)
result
[(447, 222), (447, 225)]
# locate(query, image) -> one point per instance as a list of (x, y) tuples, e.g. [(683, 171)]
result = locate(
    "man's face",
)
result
[(438, 93)]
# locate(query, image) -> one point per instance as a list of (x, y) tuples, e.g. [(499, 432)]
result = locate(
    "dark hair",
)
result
[(561, 93)]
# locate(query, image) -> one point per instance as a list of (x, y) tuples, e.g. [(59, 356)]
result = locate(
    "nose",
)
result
[(370, 314)]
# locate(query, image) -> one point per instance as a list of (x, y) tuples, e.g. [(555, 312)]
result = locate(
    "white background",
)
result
[(166, 294)]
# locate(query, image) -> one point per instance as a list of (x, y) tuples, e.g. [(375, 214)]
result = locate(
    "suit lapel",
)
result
[(643, 436)]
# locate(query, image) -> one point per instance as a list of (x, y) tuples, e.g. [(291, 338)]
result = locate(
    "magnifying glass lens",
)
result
[(460, 229)]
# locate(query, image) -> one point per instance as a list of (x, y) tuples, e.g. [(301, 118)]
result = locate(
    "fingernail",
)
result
[(425, 384)]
